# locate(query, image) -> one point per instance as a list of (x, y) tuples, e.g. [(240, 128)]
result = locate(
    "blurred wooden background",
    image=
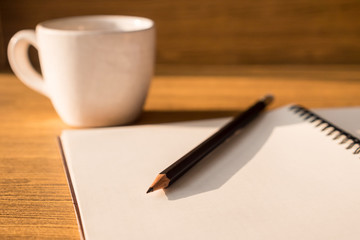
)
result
[(218, 32)]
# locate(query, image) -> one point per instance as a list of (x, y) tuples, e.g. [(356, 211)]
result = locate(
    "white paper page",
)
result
[(281, 178)]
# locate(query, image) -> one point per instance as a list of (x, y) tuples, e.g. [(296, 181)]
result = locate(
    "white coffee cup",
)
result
[(95, 69)]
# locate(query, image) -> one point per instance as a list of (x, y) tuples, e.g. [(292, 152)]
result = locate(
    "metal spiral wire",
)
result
[(341, 136)]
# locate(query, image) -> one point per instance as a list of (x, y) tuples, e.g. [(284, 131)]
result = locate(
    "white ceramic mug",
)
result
[(95, 69)]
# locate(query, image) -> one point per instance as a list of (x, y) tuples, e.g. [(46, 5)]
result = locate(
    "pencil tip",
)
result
[(150, 190)]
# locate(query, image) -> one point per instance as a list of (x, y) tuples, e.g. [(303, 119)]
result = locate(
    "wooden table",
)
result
[(35, 201)]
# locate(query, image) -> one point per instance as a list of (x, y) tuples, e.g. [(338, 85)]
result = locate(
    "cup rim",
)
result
[(47, 25)]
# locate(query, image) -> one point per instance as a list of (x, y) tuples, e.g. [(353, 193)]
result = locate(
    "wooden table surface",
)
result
[(35, 201)]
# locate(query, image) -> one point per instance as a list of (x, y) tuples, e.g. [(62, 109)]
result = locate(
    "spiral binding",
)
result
[(340, 135)]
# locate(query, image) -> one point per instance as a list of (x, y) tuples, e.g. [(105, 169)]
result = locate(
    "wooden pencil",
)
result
[(185, 163)]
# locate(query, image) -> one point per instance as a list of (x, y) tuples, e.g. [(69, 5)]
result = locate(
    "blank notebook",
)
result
[(282, 177)]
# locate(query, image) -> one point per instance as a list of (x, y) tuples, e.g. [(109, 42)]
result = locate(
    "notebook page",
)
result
[(279, 179)]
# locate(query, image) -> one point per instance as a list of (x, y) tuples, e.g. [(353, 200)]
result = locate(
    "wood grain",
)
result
[(3, 59), (34, 197), (222, 31)]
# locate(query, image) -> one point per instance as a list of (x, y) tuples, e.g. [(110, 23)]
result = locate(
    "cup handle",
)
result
[(19, 60)]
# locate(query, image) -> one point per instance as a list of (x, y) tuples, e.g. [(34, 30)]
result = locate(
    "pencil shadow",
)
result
[(217, 168)]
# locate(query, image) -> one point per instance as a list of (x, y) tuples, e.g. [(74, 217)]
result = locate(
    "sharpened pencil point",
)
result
[(161, 182)]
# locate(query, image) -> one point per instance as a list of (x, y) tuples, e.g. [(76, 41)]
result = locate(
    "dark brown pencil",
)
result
[(185, 163)]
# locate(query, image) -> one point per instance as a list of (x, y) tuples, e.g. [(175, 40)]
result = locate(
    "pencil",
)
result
[(172, 173)]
